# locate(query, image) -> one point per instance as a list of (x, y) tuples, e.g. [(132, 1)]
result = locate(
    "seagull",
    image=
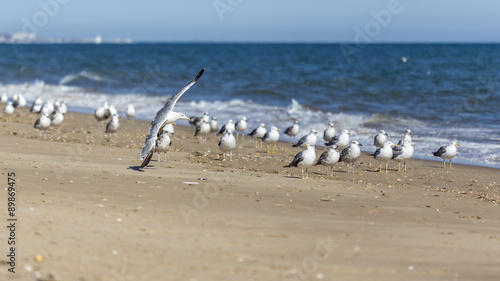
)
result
[(329, 158), (447, 152), (241, 126), (329, 133), (273, 136), (63, 107), (351, 154), (203, 129), (214, 126), (380, 138), (227, 143), (102, 113), (8, 111), (384, 154), (4, 98), (47, 108), (293, 130), (258, 132), (130, 113), (37, 106), (56, 119), (163, 142), (341, 141), (407, 137), (164, 115), (306, 158), (310, 139), (195, 121), (169, 128), (43, 123), (228, 126), (402, 153), (18, 101), (113, 125)]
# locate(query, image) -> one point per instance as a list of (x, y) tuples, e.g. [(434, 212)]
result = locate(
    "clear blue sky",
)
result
[(257, 20)]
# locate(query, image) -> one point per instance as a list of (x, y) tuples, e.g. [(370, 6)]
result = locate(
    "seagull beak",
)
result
[(458, 144), (188, 119), (279, 129), (349, 133), (174, 123), (413, 143)]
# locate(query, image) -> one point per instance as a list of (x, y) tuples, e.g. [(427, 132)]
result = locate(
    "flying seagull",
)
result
[(164, 115)]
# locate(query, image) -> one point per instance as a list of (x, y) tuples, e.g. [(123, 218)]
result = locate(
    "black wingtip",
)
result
[(199, 74), (294, 145), (147, 160)]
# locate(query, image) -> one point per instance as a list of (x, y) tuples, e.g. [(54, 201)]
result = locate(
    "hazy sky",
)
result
[(258, 20)]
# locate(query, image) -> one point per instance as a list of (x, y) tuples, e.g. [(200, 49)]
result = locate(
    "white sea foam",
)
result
[(478, 145)]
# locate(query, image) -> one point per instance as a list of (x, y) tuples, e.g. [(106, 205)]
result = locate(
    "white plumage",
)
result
[(227, 143), (309, 139), (329, 133), (351, 154), (164, 115), (271, 137), (341, 141), (402, 153), (304, 158), (329, 158), (384, 154), (447, 152), (380, 138)]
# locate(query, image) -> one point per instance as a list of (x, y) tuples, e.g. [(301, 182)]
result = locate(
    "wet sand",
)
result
[(86, 212)]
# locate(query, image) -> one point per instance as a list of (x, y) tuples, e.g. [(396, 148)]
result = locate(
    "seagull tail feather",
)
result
[(147, 159), (149, 146)]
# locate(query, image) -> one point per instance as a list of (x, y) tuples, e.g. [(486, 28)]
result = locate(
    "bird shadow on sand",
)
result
[(138, 168)]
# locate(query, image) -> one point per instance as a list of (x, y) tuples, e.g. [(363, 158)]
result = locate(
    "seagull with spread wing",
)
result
[(165, 115)]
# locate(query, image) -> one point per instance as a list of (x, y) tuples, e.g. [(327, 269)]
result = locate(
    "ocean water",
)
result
[(441, 92)]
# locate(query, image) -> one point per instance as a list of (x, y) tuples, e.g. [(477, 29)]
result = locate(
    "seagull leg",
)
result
[(386, 164), (231, 155), (302, 173), (223, 156), (405, 166), (399, 166), (268, 150), (444, 163), (159, 157), (450, 164), (273, 148), (380, 168)]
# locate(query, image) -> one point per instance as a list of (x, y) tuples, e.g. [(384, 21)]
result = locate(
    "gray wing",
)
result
[(222, 130), (161, 116), (345, 152), (301, 141), (288, 130), (253, 133), (396, 151), (37, 123), (266, 136), (322, 158), (441, 151), (297, 159), (333, 141), (377, 152)]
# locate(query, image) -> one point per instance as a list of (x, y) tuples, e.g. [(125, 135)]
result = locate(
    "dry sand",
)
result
[(86, 212)]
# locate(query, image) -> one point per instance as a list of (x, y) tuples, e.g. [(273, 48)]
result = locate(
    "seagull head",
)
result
[(356, 143), (179, 115)]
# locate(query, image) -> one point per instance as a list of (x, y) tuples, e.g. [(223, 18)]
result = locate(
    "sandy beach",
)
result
[(85, 211)]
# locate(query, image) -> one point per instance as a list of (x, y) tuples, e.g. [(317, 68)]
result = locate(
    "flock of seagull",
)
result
[(340, 148)]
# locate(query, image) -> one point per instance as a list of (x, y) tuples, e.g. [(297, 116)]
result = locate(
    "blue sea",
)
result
[(441, 92)]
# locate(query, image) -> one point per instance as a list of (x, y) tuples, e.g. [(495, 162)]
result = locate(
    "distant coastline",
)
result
[(32, 38)]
